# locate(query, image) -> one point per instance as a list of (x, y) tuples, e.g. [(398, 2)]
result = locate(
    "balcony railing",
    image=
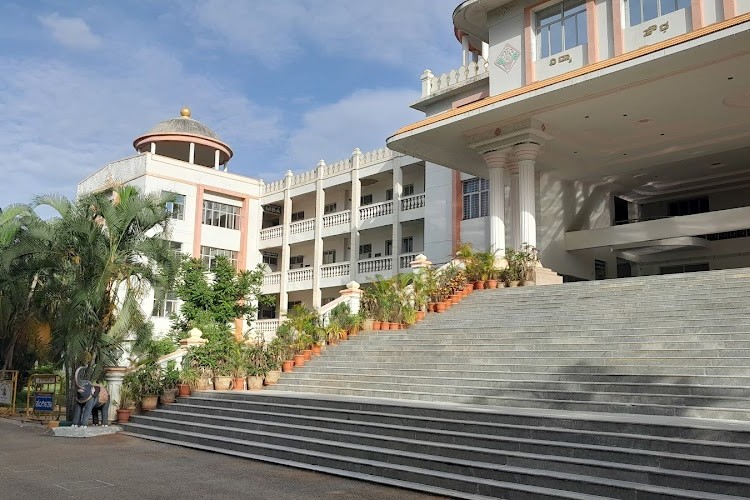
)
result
[(412, 202), (271, 279), (270, 233), (376, 210), (472, 72), (375, 265), (337, 218), (334, 270), (267, 325), (297, 275), (405, 260), (302, 226)]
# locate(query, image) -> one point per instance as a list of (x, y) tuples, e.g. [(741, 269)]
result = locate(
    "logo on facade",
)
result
[(508, 58), (272, 209)]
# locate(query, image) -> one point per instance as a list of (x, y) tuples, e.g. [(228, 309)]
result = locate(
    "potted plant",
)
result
[(255, 361), (169, 380), (189, 377), (148, 379), (237, 365), (274, 357), (126, 404)]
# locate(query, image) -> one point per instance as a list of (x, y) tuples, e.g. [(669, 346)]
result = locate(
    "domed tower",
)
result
[(187, 140)]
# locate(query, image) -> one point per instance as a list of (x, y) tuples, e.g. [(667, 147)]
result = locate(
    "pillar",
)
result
[(320, 201), (114, 375), (354, 219), (285, 247), (426, 79), (464, 50), (217, 159), (496, 162), (515, 229), (485, 51), (526, 154), (191, 154), (396, 230), (474, 56), (153, 148)]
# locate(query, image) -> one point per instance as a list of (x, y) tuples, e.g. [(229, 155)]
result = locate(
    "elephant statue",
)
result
[(90, 400)]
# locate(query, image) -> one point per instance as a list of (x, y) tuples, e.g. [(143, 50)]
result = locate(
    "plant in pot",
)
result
[(255, 361), (169, 379), (148, 377), (128, 395), (237, 365), (189, 377), (274, 357)]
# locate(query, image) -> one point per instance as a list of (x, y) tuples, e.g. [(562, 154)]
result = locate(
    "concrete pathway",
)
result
[(35, 465)]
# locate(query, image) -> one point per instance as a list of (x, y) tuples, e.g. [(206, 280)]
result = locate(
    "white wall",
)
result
[(724, 254), (506, 30), (438, 221)]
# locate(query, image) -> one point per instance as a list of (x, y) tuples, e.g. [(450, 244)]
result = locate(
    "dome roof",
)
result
[(183, 125)]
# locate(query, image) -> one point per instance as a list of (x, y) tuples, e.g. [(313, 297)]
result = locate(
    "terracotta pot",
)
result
[(307, 353), (455, 298), (149, 402), (431, 307), (287, 366), (479, 285), (448, 303), (385, 325), (123, 415), (183, 390), (468, 289), (440, 307), (343, 335), (254, 382), (420, 315), (204, 384), (513, 284), (376, 324), (316, 350), (333, 340), (238, 383), (393, 326), (168, 397), (353, 332), (491, 283), (299, 360), (272, 377), (222, 383)]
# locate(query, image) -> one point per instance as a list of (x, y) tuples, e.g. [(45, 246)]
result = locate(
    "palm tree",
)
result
[(95, 263)]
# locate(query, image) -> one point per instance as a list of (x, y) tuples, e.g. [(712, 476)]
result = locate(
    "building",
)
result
[(614, 134)]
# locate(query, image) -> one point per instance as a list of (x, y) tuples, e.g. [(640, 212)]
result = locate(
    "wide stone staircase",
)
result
[(635, 388)]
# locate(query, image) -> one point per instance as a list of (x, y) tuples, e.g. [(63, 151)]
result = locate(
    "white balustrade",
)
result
[(272, 279), (334, 270), (412, 202), (376, 210), (266, 325), (454, 78), (338, 167), (337, 218), (302, 226), (297, 275), (375, 265), (377, 156), (405, 260), (270, 233)]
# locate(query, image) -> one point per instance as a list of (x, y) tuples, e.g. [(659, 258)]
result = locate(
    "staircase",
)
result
[(636, 388)]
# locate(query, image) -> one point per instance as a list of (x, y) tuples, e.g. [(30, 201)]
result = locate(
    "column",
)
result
[(217, 159), (396, 230), (153, 148), (354, 219), (515, 228), (485, 51), (496, 162), (526, 154), (113, 375), (191, 154), (474, 56), (285, 250), (464, 50), (320, 200)]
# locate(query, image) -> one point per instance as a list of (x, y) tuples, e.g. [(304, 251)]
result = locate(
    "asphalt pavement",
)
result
[(36, 465)]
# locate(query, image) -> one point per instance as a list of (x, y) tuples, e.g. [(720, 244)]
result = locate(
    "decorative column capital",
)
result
[(512, 168), (497, 158), (526, 151)]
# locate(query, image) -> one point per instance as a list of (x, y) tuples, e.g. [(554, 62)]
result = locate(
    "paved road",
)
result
[(34, 465)]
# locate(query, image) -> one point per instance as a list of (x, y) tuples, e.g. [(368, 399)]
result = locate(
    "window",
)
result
[(271, 223), (176, 248), (365, 200), (271, 259), (163, 308), (644, 10), (476, 198), (298, 216), (365, 251), (329, 256), (388, 194), (209, 254), (689, 207), (290, 305), (561, 27), (296, 262), (407, 244), (389, 247), (176, 208), (329, 208), (220, 214), (408, 190)]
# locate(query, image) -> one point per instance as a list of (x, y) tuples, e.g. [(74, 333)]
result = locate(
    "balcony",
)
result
[(412, 207), (336, 223), (334, 274), (377, 214), (433, 86), (271, 283), (376, 265), (299, 279), (302, 230), (271, 237)]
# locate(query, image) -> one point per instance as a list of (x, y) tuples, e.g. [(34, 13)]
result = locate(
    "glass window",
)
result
[(329, 208), (388, 194), (365, 251), (641, 11), (408, 190), (296, 261), (163, 308), (329, 256), (298, 216), (209, 254), (176, 208), (367, 199), (407, 244), (221, 215), (476, 198), (561, 27), (389, 247)]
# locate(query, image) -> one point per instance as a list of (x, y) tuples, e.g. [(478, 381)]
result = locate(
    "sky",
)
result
[(285, 83)]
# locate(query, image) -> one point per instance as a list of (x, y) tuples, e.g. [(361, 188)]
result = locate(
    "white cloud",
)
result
[(72, 32), (363, 119)]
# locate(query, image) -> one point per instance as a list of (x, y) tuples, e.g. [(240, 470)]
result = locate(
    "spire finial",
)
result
[(185, 112)]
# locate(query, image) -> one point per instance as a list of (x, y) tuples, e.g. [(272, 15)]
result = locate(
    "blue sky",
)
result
[(285, 83)]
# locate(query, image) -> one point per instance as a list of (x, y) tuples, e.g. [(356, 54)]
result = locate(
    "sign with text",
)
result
[(272, 209), (44, 402)]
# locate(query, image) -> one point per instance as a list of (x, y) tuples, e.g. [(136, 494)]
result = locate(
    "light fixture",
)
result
[(368, 181)]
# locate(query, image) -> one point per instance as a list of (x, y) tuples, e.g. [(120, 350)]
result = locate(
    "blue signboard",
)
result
[(44, 402)]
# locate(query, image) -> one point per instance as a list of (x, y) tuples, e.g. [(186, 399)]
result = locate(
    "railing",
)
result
[(297, 275), (270, 233), (412, 202), (272, 279), (266, 325), (465, 74), (405, 260), (376, 156), (337, 218), (376, 210), (334, 270), (302, 226), (325, 311), (375, 265)]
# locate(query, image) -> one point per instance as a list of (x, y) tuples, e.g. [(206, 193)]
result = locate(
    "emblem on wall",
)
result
[(508, 58)]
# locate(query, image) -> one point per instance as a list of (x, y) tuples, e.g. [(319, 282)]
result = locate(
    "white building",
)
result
[(613, 135)]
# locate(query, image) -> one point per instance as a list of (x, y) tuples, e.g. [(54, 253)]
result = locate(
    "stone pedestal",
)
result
[(353, 295), (113, 376), (544, 276)]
